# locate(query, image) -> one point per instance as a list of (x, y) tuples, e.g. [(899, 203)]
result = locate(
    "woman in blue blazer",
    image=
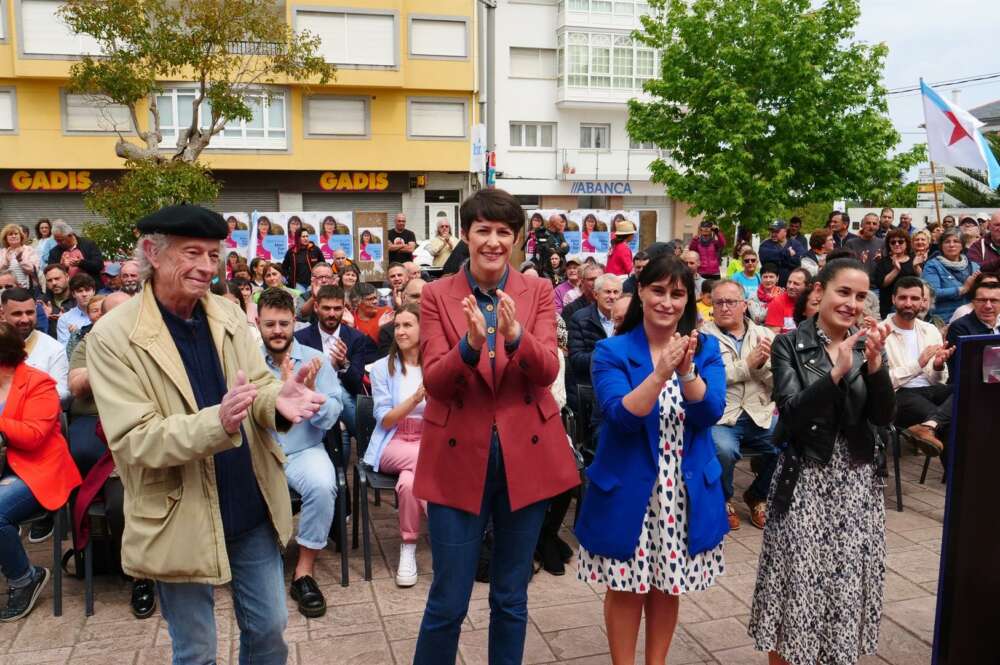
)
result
[(653, 519)]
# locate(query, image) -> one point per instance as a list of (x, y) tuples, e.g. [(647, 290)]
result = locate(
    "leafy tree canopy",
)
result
[(766, 105), (226, 47), (974, 192)]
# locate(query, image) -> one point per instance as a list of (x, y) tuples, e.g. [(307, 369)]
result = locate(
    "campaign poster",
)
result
[(539, 218), (593, 229), (336, 231), (238, 238), (268, 239), (295, 223), (370, 244), (614, 216)]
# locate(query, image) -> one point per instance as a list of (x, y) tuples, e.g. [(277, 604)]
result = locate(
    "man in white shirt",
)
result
[(918, 366), (44, 353), (82, 286)]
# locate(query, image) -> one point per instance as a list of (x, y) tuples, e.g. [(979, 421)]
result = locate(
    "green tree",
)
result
[(226, 47), (766, 105), (969, 193), (145, 187)]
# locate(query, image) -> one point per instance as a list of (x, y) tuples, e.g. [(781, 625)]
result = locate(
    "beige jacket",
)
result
[(747, 388), (902, 368), (163, 444)]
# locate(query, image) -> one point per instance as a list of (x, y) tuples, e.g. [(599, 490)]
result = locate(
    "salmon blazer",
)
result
[(163, 444), (464, 403)]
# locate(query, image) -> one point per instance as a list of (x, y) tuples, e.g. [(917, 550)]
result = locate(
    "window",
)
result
[(532, 62), (437, 119), (337, 116), (264, 131), (438, 37), (93, 113), (45, 33), (532, 135), (595, 137), (353, 38), (7, 111), (618, 7), (641, 145), (3, 20), (604, 60)]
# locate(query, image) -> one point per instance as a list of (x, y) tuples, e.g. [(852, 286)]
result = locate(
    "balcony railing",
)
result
[(622, 164)]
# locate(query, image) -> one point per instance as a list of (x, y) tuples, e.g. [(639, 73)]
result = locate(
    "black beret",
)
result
[(185, 220)]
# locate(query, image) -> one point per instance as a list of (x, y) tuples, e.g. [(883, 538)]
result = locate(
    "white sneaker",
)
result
[(406, 575)]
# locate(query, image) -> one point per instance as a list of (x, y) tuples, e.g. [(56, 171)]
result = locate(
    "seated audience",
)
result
[(322, 275), (57, 299), (94, 311), (232, 292), (83, 287), (386, 332), (982, 320), (7, 281), (396, 277), (44, 353), (572, 274), (918, 368), (592, 324), (704, 304), (308, 466), (588, 277), (747, 425), (899, 261), (781, 310), (639, 261), (111, 279), (398, 395), (39, 473), (368, 316), (693, 261), (18, 256), (820, 244), (748, 277), (950, 274), (347, 349)]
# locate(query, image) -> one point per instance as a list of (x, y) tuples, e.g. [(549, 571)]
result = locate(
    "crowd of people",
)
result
[(200, 390)]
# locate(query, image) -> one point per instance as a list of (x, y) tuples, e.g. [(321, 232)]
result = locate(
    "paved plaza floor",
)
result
[(375, 623)]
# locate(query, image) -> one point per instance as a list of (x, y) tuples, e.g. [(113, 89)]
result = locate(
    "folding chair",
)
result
[(365, 478)]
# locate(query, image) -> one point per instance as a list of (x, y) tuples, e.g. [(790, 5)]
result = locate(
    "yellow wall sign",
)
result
[(354, 181), (50, 181)]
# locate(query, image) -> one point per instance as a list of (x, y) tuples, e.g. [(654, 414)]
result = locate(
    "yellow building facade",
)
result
[(392, 133)]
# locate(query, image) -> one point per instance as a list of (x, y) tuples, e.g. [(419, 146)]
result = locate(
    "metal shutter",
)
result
[(29, 208), (388, 203), (245, 200)]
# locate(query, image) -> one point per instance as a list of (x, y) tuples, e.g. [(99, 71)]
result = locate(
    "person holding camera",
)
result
[(710, 245)]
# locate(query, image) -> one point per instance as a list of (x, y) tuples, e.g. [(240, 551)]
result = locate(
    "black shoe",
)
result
[(21, 600), (41, 530), (143, 598), (306, 593), (551, 558), (565, 551)]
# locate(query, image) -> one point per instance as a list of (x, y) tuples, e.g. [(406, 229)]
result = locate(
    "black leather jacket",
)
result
[(813, 410)]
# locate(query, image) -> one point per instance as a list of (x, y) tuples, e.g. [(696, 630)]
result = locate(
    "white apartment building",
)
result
[(565, 71)]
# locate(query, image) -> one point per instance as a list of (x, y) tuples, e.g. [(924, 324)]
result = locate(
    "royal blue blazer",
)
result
[(625, 467)]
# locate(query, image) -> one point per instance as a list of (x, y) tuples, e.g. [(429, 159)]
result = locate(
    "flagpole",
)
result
[(937, 202)]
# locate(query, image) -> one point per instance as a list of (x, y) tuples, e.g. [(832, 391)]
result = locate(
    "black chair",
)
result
[(585, 412), (366, 478), (893, 441)]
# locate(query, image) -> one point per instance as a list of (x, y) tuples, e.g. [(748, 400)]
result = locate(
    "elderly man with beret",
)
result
[(188, 406)]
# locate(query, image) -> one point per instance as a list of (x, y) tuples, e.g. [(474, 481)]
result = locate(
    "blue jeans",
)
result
[(456, 537), (732, 441), (258, 589), (17, 504), (349, 417), (84, 445), (310, 473)]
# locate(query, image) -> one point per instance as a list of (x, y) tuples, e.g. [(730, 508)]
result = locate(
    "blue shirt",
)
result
[(749, 284), (310, 433), (240, 501), (488, 302), (74, 317)]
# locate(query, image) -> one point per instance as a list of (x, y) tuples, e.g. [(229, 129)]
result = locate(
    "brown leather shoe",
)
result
[(925, 439), (734, 519), (758, 510)]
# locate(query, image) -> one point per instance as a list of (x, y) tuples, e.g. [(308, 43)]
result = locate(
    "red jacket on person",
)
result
[(464, 403), (36, 449)]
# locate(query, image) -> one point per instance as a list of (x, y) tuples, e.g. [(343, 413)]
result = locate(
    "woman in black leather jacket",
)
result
[(822, 566)]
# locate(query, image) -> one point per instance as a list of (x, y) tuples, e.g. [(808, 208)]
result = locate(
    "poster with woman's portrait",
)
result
[(238, 238), (594, 238), (295, 224), (334, 230), (370, 244), (540, 218), (268, 239), (613, 217)]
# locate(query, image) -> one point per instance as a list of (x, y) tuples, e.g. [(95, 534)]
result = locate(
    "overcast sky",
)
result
[(939, 40)]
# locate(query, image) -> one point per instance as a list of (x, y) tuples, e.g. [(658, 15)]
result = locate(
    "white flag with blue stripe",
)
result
[(953, 137)]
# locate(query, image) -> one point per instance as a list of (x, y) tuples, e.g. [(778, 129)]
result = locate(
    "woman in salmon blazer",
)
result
[(493, 444), (39, 473)]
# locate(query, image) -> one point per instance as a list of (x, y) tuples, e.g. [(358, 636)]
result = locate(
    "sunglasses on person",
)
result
[(897, 241), (749, 260)]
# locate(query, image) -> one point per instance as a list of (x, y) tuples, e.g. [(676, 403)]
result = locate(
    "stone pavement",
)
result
[(375, 623)]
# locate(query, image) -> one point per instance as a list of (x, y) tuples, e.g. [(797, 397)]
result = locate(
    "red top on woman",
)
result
[(619, 259)]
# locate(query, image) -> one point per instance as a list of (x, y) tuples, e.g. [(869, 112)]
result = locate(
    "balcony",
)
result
[(625, 164), (597, 69)]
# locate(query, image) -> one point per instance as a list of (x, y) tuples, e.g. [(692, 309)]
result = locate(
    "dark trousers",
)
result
[(917, 405), (84, 445)]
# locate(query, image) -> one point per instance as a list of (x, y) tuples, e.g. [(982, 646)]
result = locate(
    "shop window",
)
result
[(338, 117), (532, 62), (353, 38), (45, 33), (93, 113), (439, 37), (532, 134), (437, 119), (266, 130)]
